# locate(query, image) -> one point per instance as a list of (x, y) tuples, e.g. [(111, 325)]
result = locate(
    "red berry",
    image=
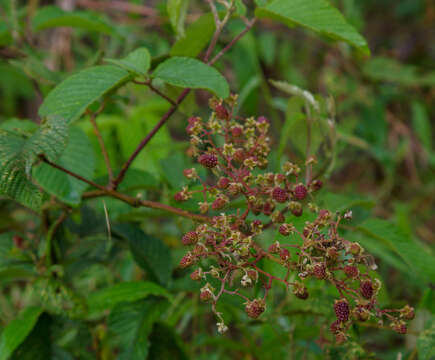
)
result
[(279, 195), (189, 238), (300, 192), (208, 160), (205, 295), (366, 289), (218, 204), (284, 230), (341, 308), (179, 197), (255, 308), (351, 271), (319, 271)]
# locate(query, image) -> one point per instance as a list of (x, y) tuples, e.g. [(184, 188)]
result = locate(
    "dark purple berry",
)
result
[(279, 195), (341, 308), (208, 160), (300, 192)]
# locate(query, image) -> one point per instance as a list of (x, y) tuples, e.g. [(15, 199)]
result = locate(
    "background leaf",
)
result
[(108, 297), (133, 322), (52, 16), (191, 73), (149, 252), (317, 15)]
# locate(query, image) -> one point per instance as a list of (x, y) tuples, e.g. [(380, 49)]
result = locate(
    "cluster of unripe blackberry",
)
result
[(236, 151)]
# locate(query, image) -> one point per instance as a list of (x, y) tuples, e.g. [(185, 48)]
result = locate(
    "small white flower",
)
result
[(246, 281), (222, 328)]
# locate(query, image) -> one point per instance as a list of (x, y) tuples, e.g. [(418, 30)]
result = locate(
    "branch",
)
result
[(157, 91), (133, 201)]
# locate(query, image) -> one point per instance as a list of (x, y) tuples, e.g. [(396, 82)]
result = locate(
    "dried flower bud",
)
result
[(196, 275), (206, 293), (399, 327), (286, 229), (355, 249), (300, 291), (295, 208), (284, 254), (190, 173), (274, 248), (407, 312), (187, 260)]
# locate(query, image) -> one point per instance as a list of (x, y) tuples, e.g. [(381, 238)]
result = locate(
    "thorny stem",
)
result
[(133, 201)]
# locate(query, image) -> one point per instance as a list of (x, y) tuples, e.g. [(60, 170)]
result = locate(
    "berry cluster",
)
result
[(236, 152)]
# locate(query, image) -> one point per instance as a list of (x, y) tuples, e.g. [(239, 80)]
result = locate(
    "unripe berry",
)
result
[(199, 250), (208, 160), (205, 295), (239, 156), (268, 208), (366, 289), (351, 271), (300, 291), (255, 308), (189, 238), (316, 185), (196, 275), (284, 254), (319, 271), (360, 314), (341, 308), (233, 189), (221, 112), (187, 260), (285, 229), (300, 192), (295, 208), (399, 327), (355, 248), (274, 248), (219, 203), (279, 195), (236, 131), (407, 312), (180, 196), (223, 183)]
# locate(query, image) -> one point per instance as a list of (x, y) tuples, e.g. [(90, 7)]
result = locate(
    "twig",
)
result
[(101, 141), (154, 89)]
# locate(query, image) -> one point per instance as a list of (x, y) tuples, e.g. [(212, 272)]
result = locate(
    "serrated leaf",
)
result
[(79, 157), (408, 248), (52, 16), (133, 322), (137, 62), (75, 94), (317, 15), (196, 38), (108, 297), (191, 73), (149, 252), (18, 154), (17, 330)]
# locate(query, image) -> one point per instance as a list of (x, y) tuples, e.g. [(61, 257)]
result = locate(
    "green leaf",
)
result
[(177, 10), (426, 343), (388, 69), (108, 297), (133, 322), (52, 16), (196, 38), (317, 15), (408, 248), (150, 253), (74, 95), (191, 73), (63, 186), (166, 343), (17, 330), (137, 62), (18, 154)]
